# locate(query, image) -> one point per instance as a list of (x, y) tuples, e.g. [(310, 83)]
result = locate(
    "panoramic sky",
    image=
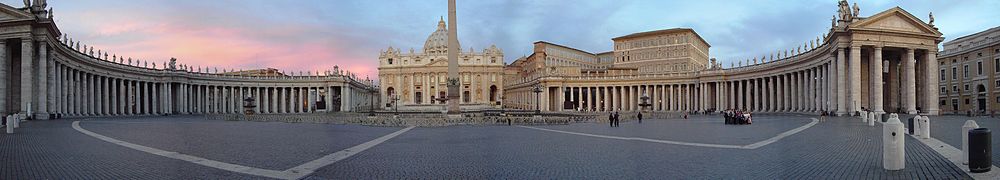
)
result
[(315, 35)]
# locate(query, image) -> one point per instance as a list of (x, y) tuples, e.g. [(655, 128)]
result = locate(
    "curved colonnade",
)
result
[(882, 63), (50, 77)]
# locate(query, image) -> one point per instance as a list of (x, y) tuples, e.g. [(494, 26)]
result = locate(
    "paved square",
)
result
[(838, 148)]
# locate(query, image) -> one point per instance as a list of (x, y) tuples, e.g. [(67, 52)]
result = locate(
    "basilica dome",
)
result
[(437, 42)]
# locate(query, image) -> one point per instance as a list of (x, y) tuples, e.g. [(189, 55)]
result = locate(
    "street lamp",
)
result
[(371, 105), (537, 90), (395, 103)]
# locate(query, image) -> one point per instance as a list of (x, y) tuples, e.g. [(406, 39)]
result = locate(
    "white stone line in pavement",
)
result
[(293, 173), (955, 156), (750, 146), (189, 158), (782, 135), (312, 166)]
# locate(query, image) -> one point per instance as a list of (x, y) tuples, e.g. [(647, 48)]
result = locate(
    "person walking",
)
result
[(640, 117), (611, 119), (616, 119)]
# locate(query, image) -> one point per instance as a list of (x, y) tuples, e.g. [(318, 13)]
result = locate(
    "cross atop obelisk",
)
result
[(453, 80)]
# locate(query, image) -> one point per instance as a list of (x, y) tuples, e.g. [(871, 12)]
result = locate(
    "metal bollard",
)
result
[(871, 119), (926, 127), (893, 143), (980, 150), (969, 125)]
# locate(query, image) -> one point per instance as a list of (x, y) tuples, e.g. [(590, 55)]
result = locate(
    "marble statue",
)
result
[(931, 16), (27, 3), (856, 10), (173, 64), (844, 10)]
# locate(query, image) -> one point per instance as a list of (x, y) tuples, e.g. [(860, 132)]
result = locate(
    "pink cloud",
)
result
[(283, 48)]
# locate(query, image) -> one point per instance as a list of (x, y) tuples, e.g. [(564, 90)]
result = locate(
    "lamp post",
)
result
[(645, 101), (371, 105), (395, 104), (537, 90)]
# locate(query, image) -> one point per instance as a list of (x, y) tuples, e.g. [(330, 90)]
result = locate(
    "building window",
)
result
[(996, 65), (944, 90), (943, 102), (966, 100), (998, 99), (390, 60), (966, 87), (998, 83), (943, 75), (965, 71), (979, 68), (954, 73), (954, 88)]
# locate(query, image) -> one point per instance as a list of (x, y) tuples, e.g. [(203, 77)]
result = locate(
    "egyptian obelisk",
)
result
[(453, 80)]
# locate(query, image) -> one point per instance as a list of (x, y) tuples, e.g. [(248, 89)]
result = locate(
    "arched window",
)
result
[(390, 60)]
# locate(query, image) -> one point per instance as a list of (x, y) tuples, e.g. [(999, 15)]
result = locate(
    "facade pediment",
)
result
[(8, 13), (896, 19)]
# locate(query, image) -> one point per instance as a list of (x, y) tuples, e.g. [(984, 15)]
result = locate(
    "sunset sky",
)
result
[(316, 35)]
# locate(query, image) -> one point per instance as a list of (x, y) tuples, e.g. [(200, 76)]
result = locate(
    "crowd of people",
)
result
[(735, 116)]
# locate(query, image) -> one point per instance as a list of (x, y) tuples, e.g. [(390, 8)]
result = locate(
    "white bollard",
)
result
[(969, 125), (17, 121), (916, 126), (893, 143), (10, 125), (864, 116), (926, 127), (871, 119)]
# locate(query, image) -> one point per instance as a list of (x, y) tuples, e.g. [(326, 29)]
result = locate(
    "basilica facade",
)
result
[(415, 80), (884, 63)]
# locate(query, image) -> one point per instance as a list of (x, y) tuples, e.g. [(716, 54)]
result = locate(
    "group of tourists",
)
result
[(734, 116), (613, 118)]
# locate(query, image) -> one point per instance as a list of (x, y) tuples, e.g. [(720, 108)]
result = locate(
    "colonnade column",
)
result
[(855, 82), (931, 74), (876, 80), (909, 82)]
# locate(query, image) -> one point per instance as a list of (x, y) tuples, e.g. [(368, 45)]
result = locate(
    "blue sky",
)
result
[(316, 35)]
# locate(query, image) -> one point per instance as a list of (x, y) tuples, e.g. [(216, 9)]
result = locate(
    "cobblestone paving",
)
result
[(839, 148), (697, 129), (948, 129), (53, 150), (268, 145)]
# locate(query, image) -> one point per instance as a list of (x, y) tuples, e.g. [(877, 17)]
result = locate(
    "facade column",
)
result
[(772, 101), (106, 96), (841, 82), (4, 70), (876, 80), (42, 84), (909, 82), (931, 83), (26, 75), (855, 82)]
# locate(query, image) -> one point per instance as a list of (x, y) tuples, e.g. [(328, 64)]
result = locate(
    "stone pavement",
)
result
[(948, 129), (838, 148)]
